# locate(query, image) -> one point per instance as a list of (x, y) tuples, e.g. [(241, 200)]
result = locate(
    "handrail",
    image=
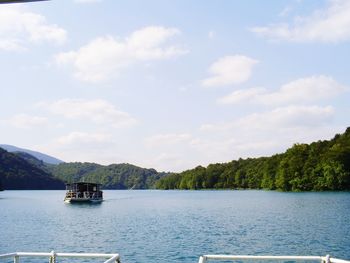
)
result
[(53, 255), (326, 259), (202, 259)]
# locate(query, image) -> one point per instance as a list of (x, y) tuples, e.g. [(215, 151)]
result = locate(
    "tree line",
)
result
[(319, 166), (114, 176), (20, 170)]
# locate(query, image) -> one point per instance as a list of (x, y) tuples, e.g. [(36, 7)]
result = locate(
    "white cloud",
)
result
[(290, 116), (80, 138), (303, 90), (167, 139), (230, 70), (269, 122), (104, 57), (240, 96), (306, 90), (266, 133), (168, 162), (97, 110), (285, 11), (228, 148), (78, 146), (19, 27), (286, 117), (25, 121), (331, 24), (11, 44), (168, 150), (257, 134)]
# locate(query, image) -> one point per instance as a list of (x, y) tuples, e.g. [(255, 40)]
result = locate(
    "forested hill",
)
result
[(114, 176), (18, 173), (20, 170), (322, 165), (319, 166)]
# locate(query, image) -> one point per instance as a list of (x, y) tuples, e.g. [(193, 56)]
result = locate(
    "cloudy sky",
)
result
[(172, 84)]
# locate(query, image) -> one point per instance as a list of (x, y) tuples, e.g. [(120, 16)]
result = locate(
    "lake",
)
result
[(177, 226)]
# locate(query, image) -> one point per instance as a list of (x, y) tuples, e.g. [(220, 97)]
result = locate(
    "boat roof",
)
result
[(83, 183)]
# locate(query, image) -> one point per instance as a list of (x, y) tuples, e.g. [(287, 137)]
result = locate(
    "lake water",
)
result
[(177, 226)]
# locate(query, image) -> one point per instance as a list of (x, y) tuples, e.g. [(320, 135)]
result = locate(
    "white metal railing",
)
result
[(115, 258), (326, 259), (53, 255)]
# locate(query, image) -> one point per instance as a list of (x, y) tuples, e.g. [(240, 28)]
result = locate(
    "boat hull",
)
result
[(82, 200)]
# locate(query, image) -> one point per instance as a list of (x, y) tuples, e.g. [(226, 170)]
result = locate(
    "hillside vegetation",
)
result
[(20, 170), (319, 166), (17, 173), (114, 176)]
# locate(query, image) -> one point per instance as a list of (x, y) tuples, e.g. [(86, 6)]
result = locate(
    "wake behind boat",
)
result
[(83, 193)]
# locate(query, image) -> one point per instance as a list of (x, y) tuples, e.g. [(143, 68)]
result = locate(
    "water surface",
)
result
[(177, 226)]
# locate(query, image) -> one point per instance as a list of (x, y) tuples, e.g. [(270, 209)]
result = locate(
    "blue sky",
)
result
[(172, 84)]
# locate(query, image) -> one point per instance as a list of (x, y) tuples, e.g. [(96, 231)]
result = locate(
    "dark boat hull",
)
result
[(83, 200)]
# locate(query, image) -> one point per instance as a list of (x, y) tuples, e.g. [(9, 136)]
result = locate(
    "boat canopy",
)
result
[(83, 187)]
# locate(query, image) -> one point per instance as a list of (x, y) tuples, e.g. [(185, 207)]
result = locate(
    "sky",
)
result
[(173, 84)]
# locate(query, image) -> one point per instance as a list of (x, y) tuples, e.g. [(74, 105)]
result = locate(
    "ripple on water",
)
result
[(178, 226)]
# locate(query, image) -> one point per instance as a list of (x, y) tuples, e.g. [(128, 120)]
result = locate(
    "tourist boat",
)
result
[(83, 192)]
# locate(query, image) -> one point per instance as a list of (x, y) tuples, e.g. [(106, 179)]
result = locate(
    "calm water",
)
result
[(177, 226)]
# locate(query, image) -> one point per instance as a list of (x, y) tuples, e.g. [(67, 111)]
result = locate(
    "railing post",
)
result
[(16, 259), (202, 259), (327, 259), (53, 257)]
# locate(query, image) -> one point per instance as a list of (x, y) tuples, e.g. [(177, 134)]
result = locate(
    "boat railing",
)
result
[(72, 194), (111, 258), (325, 259)]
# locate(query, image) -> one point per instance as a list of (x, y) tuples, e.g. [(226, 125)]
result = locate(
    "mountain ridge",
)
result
[(41, 156)]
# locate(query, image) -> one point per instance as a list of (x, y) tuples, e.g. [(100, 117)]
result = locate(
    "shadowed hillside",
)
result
[(20, 170), (17, 173)]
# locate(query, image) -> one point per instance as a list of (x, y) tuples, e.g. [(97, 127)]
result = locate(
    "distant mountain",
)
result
[(114, 176), (43, 157), (16, 173)]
